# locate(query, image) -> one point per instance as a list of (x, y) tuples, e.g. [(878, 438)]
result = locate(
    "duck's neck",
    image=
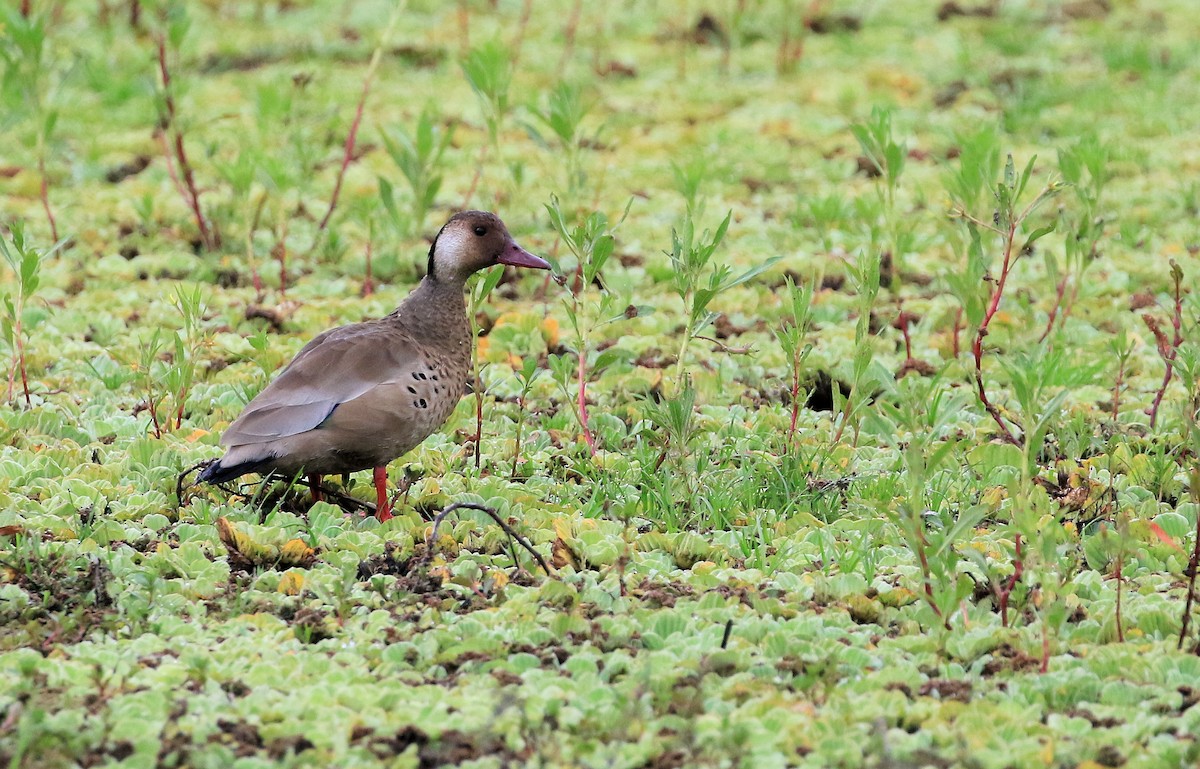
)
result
[(435, 312)]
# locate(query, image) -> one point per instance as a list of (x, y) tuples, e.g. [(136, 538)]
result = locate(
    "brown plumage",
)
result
[(358, 396)]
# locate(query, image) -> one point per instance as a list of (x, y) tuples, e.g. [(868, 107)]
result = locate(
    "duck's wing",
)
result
[(337, 366)]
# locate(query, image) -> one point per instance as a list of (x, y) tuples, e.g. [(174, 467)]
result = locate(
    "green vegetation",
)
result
[(863, 431)]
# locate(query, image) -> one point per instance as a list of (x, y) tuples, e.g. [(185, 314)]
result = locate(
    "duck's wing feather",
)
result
[(337, 366)]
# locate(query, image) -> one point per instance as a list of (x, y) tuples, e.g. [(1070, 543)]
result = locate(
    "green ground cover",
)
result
[(881, 313)]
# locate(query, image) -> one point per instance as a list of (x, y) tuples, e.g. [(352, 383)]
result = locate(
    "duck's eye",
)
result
[(481, 231)]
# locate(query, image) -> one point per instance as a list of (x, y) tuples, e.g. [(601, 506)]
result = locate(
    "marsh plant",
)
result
[(866, 375), (25, 92), (886, 158), (489, 70), (166, 367), (25, 261), (419, 155), (565, 108), (793, 339), (591, 243), (1010, 229)]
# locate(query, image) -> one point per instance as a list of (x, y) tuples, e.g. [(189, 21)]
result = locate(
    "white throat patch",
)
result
[(449, 250)]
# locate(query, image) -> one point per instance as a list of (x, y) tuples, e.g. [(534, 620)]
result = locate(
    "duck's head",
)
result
[(472, 241)]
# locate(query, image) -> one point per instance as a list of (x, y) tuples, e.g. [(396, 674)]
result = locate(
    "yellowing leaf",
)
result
[(550, 332), (296, 552), (195, 435), (291, 583)]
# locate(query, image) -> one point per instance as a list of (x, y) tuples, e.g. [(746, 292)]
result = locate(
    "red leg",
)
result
[(314, 486), (383, 510)]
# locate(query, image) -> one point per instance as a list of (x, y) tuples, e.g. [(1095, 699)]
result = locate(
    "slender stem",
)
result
[(45, 188), (352, 136), (522, 26), (478, 419), (1168, 352), (583, 410), (977, 345), (1193, 564), (569, 34), (1006, 591), (520, 424), (795, 400), (1058, 302), (191, 194), (1120, 583)]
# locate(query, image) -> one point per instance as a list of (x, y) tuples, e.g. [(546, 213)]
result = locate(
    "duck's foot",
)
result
[(383, 507)]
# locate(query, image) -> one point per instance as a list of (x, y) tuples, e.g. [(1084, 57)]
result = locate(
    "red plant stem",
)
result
[(1193, 564), (1116, 408), (26, 9), (583, 411), (348, 154), (21, 364), (478, 421), (45, 193), (928, 580), (977, 345), (135, 13), (483, 152), (1120, 582), (520, 424), (464, 26), (958, 327), (569, 34), (795, 403), (191, 193), (522, 26), (162, 142), (1168, 353), (1058, 302), (1006, 591), (1045, 668), (280, 253)]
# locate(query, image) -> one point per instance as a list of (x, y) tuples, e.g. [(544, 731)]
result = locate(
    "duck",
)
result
[(359, 396)]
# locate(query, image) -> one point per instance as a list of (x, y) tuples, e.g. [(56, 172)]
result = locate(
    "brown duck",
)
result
[(358, 396)]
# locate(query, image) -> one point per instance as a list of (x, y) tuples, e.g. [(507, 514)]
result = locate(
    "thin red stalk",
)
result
[(483, 152), (583, 412), (352, 136), (1058, 302), (522, 26), (280, 254), (520, 424), (1120, 583), (1006, 591), (162, 143), (1116, 407), (191, 193), (958, 327), (464, 26), (348, 154), (795, 403), (1193, 564), (135, 13), (45, 193), (26, 9), (1169, 351), (928, 580), (21, 363), (1045, 668), (569, 34), (977, 345), (478, 421)]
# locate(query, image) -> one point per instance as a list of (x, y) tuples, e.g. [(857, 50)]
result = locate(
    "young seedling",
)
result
[(1168, 347), (168, 39), (166, 367), (591, 242), (866, 374), (488, 70), (25, 261), (1084, 166), (23, 89), (697, 280), (1008, 222), (793, 340), (526, 377), (566, 107), (886, 157), (418, 155), (481, 286)]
